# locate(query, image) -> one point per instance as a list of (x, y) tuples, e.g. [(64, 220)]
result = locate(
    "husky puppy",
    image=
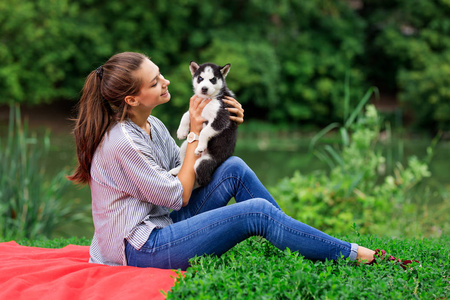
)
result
[(218, 136)]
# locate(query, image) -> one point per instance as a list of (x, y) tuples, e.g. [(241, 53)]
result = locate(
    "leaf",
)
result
[(360, 106), (334, 154), (321, 133), (344, 136)]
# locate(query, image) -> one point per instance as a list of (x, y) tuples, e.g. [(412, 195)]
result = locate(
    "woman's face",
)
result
[(154, 89)]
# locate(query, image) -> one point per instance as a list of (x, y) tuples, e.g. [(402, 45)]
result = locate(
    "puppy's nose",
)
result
[(204, 90)]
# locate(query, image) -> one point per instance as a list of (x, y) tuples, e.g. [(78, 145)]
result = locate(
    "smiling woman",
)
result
[(127, 164)]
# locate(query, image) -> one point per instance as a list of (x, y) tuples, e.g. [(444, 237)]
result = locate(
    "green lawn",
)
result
[(255, 269)]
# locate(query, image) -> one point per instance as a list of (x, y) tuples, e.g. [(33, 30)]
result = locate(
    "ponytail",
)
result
[(101, 105)]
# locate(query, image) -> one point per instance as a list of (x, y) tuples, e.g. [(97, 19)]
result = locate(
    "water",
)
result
[(271, 157)]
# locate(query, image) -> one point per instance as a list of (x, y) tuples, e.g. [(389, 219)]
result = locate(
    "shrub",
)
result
[(411, 39), (287, 58), (42, 50), (360, 188)]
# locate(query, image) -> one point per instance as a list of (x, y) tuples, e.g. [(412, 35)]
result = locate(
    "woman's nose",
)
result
[(165, 81)]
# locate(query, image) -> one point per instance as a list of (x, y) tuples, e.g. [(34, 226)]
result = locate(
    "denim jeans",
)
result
[(207, 225)]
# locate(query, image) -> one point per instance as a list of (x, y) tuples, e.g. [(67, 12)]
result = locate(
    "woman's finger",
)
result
[(237, 111), (239, 115), (232, 101), (238, 120), (204, 103)]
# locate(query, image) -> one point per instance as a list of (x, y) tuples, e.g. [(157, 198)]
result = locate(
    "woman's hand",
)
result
[(236, 109), (196, 106)]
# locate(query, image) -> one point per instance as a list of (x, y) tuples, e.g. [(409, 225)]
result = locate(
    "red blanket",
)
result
[(40, 273)]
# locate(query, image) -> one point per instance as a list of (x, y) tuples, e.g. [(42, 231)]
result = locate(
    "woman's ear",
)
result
[(131, 101)]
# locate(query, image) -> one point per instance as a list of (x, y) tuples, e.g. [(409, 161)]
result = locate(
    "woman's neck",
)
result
[(140, 119)]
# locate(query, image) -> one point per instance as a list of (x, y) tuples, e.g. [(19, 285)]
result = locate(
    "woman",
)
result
[(124, 154)]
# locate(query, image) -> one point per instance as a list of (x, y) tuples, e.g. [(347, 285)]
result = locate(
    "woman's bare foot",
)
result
[(365, 255)]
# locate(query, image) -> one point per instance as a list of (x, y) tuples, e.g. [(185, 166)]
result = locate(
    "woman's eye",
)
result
[(157, 80), (200, 79), (213, 80)]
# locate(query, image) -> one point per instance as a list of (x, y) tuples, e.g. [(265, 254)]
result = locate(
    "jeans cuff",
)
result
[(353, 251)]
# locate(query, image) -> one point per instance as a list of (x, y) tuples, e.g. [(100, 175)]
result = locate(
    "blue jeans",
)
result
[(207, 225)]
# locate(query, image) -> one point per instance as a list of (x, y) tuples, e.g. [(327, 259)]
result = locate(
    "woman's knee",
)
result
[(235, 165), (235, 161), (258, 205)]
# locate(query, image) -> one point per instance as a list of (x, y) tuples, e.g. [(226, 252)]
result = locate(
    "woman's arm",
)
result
[(187, 172)]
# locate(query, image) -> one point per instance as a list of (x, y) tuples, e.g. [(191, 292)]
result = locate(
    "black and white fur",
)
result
[(218, 136)]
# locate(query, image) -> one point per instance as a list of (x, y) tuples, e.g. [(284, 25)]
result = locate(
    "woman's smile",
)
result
[(165, 94)]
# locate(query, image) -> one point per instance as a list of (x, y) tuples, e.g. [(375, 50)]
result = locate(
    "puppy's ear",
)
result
[(225, 69), (193, 66)]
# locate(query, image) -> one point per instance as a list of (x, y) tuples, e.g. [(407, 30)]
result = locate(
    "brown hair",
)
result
[(102, 104)]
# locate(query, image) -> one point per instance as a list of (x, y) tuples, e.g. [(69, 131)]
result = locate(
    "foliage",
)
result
[(255, 269), (40, 49), (411, 39), (30, 207), (361, 187), (289, 56), (318, 45)]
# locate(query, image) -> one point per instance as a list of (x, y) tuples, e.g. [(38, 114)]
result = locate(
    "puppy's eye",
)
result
[(213, 80), (200, 79)]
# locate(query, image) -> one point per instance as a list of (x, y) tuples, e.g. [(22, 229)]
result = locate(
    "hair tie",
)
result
[(100, 72)]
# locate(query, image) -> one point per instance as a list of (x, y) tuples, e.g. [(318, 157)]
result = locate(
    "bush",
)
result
[(361, 187), (42, 50), (288, 59), (411, 39), (318, 46)]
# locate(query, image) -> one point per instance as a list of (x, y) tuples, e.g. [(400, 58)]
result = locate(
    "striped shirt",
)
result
[(132, 191)]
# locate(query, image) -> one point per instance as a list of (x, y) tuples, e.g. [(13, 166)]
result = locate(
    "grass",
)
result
[(53, 243), (254, 269)]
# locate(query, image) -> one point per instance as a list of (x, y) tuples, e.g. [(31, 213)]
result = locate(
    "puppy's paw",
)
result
[(200, 149), (175, 171), (182, 133)]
